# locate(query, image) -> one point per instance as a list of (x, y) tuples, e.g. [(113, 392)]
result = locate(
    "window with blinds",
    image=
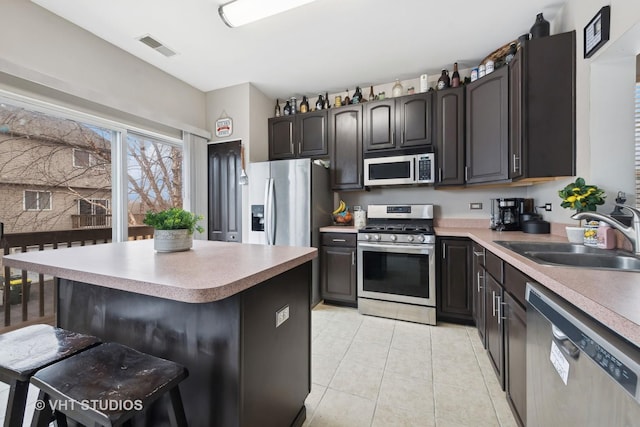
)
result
[(638, 144)]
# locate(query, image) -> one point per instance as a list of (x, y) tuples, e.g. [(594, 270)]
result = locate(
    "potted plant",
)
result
[(583, 198), (174, 229)]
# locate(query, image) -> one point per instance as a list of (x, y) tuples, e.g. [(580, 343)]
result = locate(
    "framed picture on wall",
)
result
[(596, 33)]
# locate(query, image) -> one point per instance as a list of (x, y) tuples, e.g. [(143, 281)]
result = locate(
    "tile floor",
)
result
[(369, 371)]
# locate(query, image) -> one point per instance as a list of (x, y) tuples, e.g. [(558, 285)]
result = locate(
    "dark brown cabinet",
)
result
[(300, 135), (494, 326), (515, 356), (450, 136), (478, 291), (399, 123), (338, 267), (345, 147), (454, 297), (543, 116), (521, 118), (488, 128)]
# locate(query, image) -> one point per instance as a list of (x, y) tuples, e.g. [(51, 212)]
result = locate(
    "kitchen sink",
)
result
[(574, 255)]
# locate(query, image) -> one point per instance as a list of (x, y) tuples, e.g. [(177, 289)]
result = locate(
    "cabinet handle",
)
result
[(393, 138), (299, 147), (493, 299), (440, 175), (353, 258), (339, 240), (500, 309), (402, 139), (478, 254), (516, 163), (444, 251), (478, 279), (466, 169)]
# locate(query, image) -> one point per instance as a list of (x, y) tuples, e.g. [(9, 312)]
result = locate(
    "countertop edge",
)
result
[(551, 277)]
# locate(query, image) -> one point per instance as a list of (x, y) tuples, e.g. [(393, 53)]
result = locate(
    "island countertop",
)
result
[(209, 272)]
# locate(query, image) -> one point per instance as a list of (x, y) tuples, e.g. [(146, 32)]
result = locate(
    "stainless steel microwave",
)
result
[(397, 170)]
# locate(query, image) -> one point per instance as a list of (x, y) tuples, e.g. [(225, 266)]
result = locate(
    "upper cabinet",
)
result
[(345, 139), (450, 136), (398, 123), (300, 135), (521, 118), (488, 128)]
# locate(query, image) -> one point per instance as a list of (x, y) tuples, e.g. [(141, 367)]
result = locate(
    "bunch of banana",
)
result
[(342, 207)]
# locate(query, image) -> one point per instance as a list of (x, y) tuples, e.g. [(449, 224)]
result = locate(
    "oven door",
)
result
[(396, 272)]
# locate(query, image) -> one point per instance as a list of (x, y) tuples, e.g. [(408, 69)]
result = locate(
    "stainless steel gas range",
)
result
[(396, 263)]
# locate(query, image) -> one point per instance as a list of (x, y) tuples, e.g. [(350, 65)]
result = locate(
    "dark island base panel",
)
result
[(243, 371)]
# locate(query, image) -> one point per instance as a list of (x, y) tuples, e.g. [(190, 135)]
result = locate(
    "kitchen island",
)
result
[(237, 316)]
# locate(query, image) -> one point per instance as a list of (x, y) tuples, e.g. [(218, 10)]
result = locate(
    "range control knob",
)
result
[(393, 238), (421, 238), (409, 238), (376, 237)]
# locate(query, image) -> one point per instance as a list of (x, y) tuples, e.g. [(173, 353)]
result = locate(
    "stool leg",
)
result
[(61, 419), (176, 410), (42, 417), (16, 403)]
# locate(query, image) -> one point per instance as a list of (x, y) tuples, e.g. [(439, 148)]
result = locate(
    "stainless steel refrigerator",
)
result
[(290, 200)]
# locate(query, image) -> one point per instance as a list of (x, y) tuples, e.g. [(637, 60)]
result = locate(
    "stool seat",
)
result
[(109, 384), (24, 351)]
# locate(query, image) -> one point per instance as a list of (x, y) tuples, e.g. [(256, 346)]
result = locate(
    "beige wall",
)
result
[(40, 47)]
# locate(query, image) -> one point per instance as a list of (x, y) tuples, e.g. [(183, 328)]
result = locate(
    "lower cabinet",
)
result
[(454, 298), (338, 280), (494, 326), (515, 356), (477, 290)]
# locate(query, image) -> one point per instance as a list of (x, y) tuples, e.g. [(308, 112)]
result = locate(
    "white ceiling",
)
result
[(327, 45)]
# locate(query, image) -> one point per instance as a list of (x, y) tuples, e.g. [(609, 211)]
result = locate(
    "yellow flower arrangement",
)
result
[(581, 197)]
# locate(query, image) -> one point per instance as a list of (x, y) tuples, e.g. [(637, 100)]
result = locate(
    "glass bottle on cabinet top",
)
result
[(320, 102), (346, 100), (371, 94), (397, 89), (455, 77), (277, 109), (287, 109), (304, 105), (444, 81), (327, 104)]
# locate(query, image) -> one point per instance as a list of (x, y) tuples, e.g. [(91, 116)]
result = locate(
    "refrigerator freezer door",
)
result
[(291, 199), (259, 173)]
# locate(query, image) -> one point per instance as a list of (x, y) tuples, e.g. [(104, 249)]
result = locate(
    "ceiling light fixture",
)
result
[(241, 12)]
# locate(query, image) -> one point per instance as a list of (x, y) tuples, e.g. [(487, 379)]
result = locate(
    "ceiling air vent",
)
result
[(156, 45)]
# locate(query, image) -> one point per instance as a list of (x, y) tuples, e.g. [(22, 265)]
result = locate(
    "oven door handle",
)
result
[(411, 249)]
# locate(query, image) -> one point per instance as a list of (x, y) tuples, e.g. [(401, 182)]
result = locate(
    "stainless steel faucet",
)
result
[(632, 232)]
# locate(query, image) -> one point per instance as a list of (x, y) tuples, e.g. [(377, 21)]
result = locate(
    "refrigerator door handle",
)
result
[(267, 210), (271, 213)]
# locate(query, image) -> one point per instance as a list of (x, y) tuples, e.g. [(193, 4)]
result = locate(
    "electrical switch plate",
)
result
[(477, 205), (282, 315)]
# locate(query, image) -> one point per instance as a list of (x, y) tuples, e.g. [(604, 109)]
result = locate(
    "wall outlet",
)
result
[(547, 207), (476, 205), (282, 315)]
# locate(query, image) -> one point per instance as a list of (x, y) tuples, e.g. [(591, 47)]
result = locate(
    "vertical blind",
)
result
[(638, 144)]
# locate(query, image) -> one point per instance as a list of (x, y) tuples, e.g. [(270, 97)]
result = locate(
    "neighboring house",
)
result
[(54, 173)]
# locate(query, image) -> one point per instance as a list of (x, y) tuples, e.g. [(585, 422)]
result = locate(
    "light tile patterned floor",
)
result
[(369, 371), (375, 372)]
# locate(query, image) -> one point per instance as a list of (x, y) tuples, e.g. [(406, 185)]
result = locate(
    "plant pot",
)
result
[(172, 240), (575, 234)]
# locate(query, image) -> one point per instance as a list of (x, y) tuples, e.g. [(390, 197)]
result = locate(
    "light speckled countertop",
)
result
[(210, 271), (611, 297), (339, 229)]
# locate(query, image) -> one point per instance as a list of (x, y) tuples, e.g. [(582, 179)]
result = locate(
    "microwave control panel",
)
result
[(424, 169)]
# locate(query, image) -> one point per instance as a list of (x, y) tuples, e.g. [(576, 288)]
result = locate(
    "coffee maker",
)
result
[(505, 214)]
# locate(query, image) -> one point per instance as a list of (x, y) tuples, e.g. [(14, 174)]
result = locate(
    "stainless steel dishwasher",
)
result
[(579, 373)]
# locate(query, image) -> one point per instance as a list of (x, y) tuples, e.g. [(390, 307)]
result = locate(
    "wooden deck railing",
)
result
[(21, 286), (90, 221)]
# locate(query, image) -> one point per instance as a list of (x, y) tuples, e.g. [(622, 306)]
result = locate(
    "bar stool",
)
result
[(106, 386), (24, 351)]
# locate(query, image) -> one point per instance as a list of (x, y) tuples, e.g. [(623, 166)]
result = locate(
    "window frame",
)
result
[(38, 192)]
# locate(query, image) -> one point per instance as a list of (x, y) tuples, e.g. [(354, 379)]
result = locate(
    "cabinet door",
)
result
[(488, 128), (345, 147), (454, 297), (414, 115), (281, 138), (379, 125), (478, 291), (494, 326), (338, 266), (515, 356), (450, 136), (312, 134), (516, 120)]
